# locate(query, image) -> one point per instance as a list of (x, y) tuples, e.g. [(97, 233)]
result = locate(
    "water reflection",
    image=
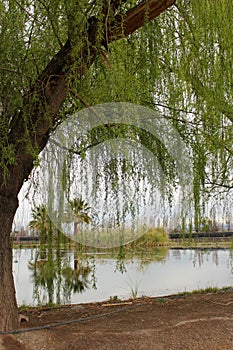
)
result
[(76, 280), (57, 276), (68, 276)]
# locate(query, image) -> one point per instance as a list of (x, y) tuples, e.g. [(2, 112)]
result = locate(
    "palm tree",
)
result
[(41, 223), (40, 218), (79, 210)]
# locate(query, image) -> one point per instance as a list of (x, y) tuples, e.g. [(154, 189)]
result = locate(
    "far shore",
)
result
[(195, 242)]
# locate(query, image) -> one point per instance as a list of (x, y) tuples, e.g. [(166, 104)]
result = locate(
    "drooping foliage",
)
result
[(179, 65)]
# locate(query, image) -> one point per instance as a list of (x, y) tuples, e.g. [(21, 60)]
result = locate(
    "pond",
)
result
[(98, 277)]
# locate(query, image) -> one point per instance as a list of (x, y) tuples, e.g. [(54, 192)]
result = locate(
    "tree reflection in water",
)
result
[(52, 275), (63, 272), (76, 279)]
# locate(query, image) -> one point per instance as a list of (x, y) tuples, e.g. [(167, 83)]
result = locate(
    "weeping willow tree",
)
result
[(45, 48), (58, 56)]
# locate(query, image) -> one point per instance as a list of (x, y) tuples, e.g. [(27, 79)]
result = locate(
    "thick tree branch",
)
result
[(143, 13), (52, 89)]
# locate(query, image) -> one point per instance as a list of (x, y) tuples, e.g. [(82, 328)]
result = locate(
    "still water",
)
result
[(97, 277)]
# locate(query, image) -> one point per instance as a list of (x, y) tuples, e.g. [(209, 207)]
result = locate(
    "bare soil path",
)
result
[(195, 322)]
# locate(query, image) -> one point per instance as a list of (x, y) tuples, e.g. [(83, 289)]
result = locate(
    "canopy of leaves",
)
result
[(179, 64)]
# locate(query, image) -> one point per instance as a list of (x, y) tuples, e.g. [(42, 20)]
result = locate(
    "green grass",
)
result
[(114, 298), (46, 306), (206, 290), (161, 300)]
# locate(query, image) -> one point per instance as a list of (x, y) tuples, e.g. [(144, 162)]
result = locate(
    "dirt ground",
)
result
[(197, 321)]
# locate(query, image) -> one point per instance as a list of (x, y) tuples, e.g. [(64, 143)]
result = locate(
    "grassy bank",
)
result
[(153, 238)]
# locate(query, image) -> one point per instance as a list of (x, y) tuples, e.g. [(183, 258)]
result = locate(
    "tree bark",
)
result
[(51, 91), (8, 305)]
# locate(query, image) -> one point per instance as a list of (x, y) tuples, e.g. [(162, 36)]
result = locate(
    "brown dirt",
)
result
[(195, 322)]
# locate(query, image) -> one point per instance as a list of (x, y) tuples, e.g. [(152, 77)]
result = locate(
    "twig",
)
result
[(81, 99), (118, 304)]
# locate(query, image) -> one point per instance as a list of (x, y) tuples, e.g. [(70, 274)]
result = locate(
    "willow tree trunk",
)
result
[(8, 304)]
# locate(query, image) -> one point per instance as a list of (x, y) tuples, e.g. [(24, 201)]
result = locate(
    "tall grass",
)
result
[(115, 237), (153, 237)]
